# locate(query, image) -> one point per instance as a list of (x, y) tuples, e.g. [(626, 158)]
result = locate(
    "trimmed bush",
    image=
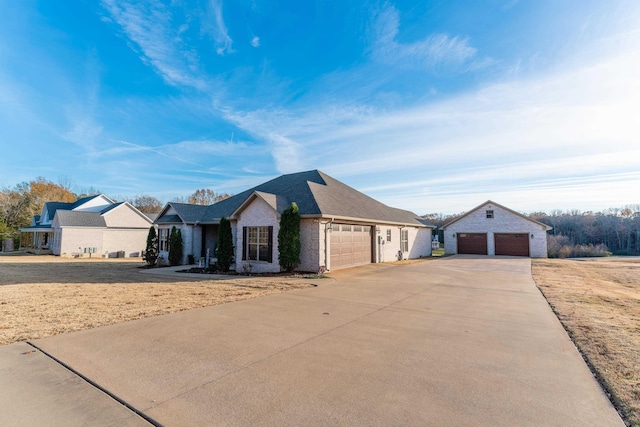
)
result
[(151, 252), (224, 250), (175, 246), (289, 238)]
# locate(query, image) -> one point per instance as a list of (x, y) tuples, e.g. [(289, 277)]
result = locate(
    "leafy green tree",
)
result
[(151, 252), (289, 238), (175, 246), (224, 251)]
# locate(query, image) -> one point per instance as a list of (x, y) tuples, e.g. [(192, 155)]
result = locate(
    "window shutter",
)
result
[(244, 243), (270, 247)]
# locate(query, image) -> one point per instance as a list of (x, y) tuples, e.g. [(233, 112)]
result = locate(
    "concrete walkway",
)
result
[(455, 341)]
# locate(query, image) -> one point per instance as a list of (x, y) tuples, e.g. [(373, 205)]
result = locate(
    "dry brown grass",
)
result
[(45, 296), (598, 302)]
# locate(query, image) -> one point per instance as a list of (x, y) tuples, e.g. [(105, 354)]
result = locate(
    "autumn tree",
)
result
[(42, 191)]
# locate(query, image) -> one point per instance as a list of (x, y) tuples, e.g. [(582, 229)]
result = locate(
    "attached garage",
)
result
[(350, 245), (492, 229), (472, 243), (513, 244)]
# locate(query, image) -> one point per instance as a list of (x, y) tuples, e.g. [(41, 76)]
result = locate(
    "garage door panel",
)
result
[(513, 244), (472, 243), (350, 245)]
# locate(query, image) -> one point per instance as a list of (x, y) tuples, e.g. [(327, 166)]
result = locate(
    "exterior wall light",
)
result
[(532, 235), (454, 235)]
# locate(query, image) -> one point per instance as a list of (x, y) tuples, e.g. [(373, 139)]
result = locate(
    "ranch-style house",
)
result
[(340, 226)]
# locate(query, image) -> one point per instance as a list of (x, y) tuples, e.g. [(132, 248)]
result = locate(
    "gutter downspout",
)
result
[(326, 243)]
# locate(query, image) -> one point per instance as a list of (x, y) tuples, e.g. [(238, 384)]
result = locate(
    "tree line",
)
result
[(614, 230), (19, 204)]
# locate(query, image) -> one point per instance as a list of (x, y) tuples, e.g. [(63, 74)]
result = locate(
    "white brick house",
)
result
[(340, 227), (493, 229)]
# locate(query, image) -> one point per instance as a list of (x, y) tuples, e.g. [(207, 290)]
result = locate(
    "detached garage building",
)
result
[(493, 229)]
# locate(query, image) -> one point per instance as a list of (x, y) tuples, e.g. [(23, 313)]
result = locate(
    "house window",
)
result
[(490, 214), (163, 239), (258, 244), (404, 240), (388, 235)]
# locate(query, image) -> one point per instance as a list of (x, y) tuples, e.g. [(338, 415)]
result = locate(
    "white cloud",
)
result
[(217, 29), (150, 28), (255, 41), (572, 132), (434, 50), (84, 132)]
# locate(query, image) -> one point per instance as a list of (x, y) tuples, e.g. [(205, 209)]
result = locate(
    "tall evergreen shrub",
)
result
[(175, 246), (224, 251), (289, 238), (151, 251)]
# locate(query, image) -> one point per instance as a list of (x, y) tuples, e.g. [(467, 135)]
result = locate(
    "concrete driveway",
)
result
[(453, 341)]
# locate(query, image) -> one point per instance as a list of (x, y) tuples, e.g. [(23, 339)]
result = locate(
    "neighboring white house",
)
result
[(91, 226), (493, 229), (340, 227)]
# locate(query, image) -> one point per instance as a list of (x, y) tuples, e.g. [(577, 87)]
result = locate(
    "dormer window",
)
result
[(490, 214)]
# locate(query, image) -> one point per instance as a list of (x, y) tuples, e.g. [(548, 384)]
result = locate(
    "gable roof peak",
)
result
[(498, 205)]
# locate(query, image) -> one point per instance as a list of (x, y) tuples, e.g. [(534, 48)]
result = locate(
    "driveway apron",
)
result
[(454, 341)]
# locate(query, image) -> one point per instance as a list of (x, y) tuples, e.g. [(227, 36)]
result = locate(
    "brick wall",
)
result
[(503, 221), (257, 214)]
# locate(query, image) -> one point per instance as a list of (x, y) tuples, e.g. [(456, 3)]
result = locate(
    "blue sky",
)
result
[(431, 106)]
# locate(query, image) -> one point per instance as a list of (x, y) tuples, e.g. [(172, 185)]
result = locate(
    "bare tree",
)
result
[(206, 197), (146, 204)]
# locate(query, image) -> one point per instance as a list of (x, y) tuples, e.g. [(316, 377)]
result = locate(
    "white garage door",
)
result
[(350, 245)]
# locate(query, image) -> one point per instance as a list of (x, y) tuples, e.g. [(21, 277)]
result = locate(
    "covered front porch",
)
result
[(36, 240)]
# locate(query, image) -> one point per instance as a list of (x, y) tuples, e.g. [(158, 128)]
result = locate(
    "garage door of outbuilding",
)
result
[(472, 243), (350, 245), (512, 244)]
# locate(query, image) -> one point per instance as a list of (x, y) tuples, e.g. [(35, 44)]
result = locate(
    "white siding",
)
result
[(503, 221), (389, 251), (124, 216), (73, 240), (131, 242), (94, 205)]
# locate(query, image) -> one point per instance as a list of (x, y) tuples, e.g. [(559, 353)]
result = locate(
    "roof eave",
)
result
[(364, 220)]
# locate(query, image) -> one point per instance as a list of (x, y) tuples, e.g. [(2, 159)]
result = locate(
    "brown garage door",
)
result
[(350, 245), (512, 244), (472, 243)]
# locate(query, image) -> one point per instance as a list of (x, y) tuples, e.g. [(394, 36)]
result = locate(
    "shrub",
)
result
[(151, 252), (289, 238), (224, 250), (175, 246), (560, 247)]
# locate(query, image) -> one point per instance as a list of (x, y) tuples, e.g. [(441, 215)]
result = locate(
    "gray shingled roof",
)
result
[(169, 219), (80, 219), (315, 193), (52, 207)]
